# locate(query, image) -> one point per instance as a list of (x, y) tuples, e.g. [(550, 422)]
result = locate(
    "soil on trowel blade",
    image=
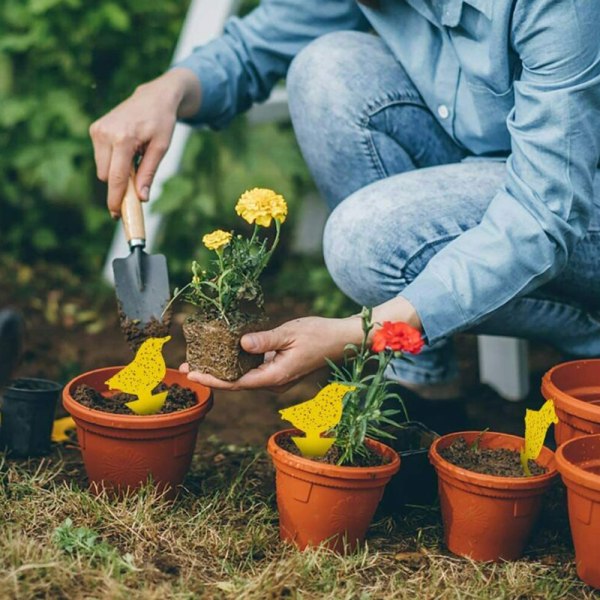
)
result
[(489, 461), (136, 335), (178, 398), (333, 455)]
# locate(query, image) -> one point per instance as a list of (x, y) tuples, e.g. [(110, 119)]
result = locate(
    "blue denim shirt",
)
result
[(514, 77)]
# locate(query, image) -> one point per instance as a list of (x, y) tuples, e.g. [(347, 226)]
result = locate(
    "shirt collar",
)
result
[(449, 11)]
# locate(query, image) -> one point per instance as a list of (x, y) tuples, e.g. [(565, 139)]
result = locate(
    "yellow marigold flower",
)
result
[(260, 206), (217, 239)]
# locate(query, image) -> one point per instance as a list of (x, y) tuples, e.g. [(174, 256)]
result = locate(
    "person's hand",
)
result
[(292, 350), (143, 124)]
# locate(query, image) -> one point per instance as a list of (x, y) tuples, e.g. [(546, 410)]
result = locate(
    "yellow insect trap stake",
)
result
[(141, 376), (536, 426), (315, 416)]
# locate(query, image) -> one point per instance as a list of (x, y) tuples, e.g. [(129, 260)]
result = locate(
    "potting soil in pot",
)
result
[(488, 461), (370, 459), (178, 398), (136, 335)]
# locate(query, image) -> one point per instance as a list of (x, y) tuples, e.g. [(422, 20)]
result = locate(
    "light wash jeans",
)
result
[(400, 189)]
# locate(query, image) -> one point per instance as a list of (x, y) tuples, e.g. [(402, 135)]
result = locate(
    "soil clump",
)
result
[(136, 334)]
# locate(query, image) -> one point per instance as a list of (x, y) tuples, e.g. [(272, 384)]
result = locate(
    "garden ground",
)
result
[(220, 538)]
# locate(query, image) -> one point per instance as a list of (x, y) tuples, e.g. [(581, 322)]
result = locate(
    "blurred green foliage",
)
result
[(64, 63)]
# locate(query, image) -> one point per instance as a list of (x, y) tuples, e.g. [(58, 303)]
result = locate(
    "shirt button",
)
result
[(443, 111)]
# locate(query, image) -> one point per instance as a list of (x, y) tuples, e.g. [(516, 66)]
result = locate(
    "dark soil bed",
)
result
[(489, 461), (370, 459), (178, 398)]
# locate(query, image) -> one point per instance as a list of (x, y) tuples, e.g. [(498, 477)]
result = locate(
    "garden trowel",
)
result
[(141, 280)]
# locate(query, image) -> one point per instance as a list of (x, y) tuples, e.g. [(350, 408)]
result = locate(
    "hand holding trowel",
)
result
[(141, 280)]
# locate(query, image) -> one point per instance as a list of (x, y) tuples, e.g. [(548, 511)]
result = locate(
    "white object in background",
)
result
[(307, 236), (272, 110), (503, 364), (204, 21)]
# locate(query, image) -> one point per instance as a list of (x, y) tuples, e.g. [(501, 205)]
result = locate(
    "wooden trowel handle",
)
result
[(131, 211)]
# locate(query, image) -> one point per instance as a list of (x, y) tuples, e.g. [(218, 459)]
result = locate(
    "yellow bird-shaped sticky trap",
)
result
[(315, 416), (536, 426), (141, 376)]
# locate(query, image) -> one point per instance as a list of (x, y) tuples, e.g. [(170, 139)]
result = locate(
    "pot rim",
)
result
[(572, 471), (334, 471), (204, 396), (563, 400), (53, 386), (491, 481)]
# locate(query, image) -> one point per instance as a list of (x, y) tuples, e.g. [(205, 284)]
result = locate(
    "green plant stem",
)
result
[(475, 445), (275, 241), (169, 304)]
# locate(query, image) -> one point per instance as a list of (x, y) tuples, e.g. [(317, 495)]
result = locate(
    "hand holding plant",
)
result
[(228, 293), (361, 393)]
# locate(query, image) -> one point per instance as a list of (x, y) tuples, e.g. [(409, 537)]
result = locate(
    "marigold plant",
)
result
[(229, 285), (369, 407)]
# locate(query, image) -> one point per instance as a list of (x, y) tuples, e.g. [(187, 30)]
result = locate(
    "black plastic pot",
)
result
[(27, 411), (11, 335), (416, 481)]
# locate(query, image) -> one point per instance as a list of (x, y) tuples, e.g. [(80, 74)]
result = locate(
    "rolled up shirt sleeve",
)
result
[(531, 226), (241, 66)]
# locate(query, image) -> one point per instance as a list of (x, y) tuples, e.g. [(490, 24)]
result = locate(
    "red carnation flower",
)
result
[(397, 337)]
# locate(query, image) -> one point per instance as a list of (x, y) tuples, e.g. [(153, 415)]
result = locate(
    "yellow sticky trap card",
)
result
[(60, 429), (536, 426), (315, 416), (141, 376)]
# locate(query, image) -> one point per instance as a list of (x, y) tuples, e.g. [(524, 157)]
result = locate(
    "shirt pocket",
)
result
[(492, 108)]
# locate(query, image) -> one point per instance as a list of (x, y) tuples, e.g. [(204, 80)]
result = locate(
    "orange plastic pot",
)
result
[(485, 517), (327, 504), (575, 389), (122, 452), (578, 462)]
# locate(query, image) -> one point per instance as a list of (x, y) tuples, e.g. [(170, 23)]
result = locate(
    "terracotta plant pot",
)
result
[(578, 461), (416, 481), (323, 503), (575, 389), (486, 517), (214, 347), (122, 452)]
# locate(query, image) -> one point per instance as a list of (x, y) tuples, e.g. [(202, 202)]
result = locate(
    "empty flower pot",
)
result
[(416, 481), (28, 407), (489, 518), (578, 462), (327, 504), (575, 389), (122, 452)]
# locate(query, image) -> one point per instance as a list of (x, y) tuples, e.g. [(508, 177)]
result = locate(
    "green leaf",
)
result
[(44, 239)]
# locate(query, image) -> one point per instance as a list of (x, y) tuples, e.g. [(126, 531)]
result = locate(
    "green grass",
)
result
[(220, 540)]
